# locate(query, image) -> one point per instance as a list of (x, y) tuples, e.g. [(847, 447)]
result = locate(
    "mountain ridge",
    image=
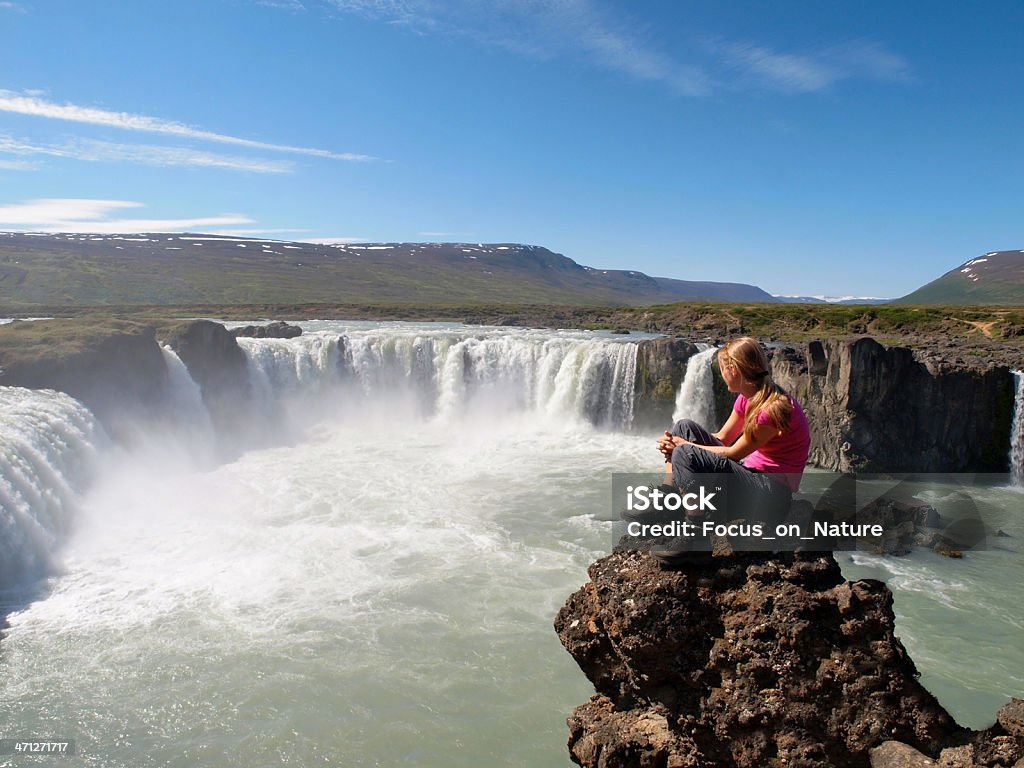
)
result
[(996, 277), (73, 269)]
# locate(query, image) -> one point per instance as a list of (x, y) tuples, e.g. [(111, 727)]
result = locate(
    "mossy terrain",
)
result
[(31, 343)]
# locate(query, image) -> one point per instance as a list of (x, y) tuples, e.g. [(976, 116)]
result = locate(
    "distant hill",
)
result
[(995, 278), (79, 270)]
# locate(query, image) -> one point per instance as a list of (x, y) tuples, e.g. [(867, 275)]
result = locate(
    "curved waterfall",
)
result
[(449, 375), (696, 398), (47, 439), (47, 442)]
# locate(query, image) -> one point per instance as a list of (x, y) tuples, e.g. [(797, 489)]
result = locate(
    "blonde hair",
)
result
[(750, 359)]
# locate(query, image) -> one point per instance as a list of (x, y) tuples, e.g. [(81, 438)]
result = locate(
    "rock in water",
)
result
[(278, 329), (747, 660)]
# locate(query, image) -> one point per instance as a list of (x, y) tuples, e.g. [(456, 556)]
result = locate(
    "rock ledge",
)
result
[(751, 660)]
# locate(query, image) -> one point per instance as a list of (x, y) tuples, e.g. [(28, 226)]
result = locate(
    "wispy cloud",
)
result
[(760, 66), (33, 105), (601, 36), (103, 151), (582, 29), (95, 216), (9, 6), (18, 165), (288, 5)]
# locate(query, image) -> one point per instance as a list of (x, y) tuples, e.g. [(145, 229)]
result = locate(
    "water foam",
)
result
[(47, 443)]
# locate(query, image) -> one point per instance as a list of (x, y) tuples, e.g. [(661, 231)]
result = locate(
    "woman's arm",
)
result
[(731, 429), (743, 446)]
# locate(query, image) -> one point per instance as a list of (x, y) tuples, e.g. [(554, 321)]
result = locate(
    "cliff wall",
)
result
[(660, 367)]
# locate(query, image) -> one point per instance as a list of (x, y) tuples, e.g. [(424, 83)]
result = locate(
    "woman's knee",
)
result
[(686, 428), (685, 457)]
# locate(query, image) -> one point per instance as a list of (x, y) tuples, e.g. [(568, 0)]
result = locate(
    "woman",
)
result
[(763, 444)]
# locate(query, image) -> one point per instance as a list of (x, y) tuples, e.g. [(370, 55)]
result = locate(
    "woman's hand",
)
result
[(667, 444)]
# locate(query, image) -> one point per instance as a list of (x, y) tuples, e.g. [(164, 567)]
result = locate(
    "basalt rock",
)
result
[(278, 329), (217, 364), (660, 368), (881, 409), (749, 660)]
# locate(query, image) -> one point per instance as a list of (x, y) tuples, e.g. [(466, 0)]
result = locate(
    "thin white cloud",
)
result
[(104, 151), (90, 216), (592, 31), (785, 71), (582, 29), (288, 5), (760, 66), (26, 104), (9, 6), (18, 165)]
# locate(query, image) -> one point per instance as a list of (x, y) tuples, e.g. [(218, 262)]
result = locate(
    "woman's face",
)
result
[(730, 373)]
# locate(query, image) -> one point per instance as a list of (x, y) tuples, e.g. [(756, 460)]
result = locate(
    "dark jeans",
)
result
[(752, 495)]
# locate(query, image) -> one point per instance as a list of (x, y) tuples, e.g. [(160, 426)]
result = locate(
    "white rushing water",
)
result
[(1017, 433), (441, 373), (47, 442), (696, 398), (378, 587)]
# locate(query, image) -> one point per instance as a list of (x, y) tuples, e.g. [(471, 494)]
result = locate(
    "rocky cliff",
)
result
[(114, 367), (874, 408), (117, 369), (753, 660), (660, 368), (217, 364)]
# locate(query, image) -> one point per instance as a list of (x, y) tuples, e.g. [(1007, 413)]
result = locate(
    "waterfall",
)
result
[(448, 374), (1017, 433), (186, 397), (47, 443), (696, 398)]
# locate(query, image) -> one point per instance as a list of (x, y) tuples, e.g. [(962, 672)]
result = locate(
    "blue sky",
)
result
[(811, 147)]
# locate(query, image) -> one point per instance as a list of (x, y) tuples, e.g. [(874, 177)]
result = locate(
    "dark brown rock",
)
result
[(890, 409), (275, 330), (782, 664), (894, 754), (218, 365), (660, 368), (1011, 717)]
